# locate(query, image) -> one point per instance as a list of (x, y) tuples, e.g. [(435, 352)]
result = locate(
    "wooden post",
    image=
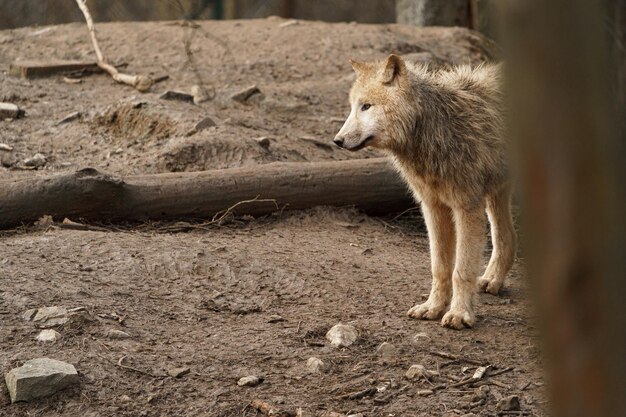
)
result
[(435, 12), (572, 147)]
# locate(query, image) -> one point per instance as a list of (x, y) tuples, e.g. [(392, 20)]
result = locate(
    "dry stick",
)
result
[(472, 380), (447, 355), (219, 217), (140, 82)]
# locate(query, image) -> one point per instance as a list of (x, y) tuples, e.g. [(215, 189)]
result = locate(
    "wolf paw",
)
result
[(491, 286), (458, 319), (426, 311)]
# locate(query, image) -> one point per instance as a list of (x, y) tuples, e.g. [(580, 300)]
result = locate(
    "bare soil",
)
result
[(208, 299)]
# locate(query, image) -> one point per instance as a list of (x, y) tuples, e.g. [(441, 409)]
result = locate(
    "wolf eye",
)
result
[(365, 106)]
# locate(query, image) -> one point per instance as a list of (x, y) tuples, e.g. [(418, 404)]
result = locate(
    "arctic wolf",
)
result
[(444, 133)]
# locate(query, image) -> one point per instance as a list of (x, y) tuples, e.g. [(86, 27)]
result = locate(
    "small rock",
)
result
[(178, 372), (510, 403), (36, 161), (387, 352), (5, 147), (70, 117), (249, 381), (39, 378), (47, 316), (10, 111), (204, 124), (176, 95), (480, 393), (7, 159), (315, 365), (275, 318), (421, 338), (200, 95), (48, 335), (480, 372), (469, 415), (29, 315), (419, 371), (264, 142), (289, 23), (68, 80), (245, 94), (425, 392), (342, 335), (117, 334), (125, 399)]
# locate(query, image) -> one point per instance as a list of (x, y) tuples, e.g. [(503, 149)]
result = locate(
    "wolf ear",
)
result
[(357, 66), (394, 68)]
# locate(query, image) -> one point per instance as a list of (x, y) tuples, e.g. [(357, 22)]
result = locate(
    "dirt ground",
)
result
[(209, 300)]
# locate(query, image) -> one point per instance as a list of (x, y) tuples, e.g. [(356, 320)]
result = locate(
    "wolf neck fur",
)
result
[(426, 128)]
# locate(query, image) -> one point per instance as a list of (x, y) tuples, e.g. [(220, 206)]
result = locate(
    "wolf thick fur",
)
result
[(444, 132)]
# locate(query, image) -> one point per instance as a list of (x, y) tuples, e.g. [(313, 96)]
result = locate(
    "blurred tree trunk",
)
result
[(436, 12), (566, 66)]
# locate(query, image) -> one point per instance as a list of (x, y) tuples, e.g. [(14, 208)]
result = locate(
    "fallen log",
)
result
[(369, 184)]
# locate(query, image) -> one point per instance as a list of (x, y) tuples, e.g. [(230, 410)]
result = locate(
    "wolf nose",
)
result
[(338, 141)]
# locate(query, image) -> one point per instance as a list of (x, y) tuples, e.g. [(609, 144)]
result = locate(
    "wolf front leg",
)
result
[(503, 240), (441, 234), (471, 237)]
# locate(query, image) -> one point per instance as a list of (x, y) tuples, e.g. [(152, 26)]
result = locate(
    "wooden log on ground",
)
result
[(369, 184), (35, 69)]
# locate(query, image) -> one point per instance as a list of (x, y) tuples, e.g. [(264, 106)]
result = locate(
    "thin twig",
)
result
[(219, 216), (140, 82), (450, 356), (130, 368)]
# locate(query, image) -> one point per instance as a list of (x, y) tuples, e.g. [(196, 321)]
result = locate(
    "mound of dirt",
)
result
[(130, 122)]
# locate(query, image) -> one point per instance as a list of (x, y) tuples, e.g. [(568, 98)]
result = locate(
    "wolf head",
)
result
[(378, 99)]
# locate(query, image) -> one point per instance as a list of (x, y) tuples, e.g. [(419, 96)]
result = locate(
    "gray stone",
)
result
[(7, 158), (342, 335), (47, 316), (178, 372), (388, 352), (48, 335), (70, 117), (246, 94), (40, 378), (289, 23), (36, 161), (249, 381), (200, 94), (205, 123), (29, 315), (481, 393), (177, 95), (117, 334), (315, 365), (10, 111), (264, 142), (5, 147), (421, 338), (510, 403), (419, 371)]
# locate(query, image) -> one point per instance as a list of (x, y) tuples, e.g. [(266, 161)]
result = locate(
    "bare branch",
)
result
[(140, 82)]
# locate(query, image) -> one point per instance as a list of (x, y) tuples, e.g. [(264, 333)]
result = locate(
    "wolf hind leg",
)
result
[(503, 241), (441, 235)]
